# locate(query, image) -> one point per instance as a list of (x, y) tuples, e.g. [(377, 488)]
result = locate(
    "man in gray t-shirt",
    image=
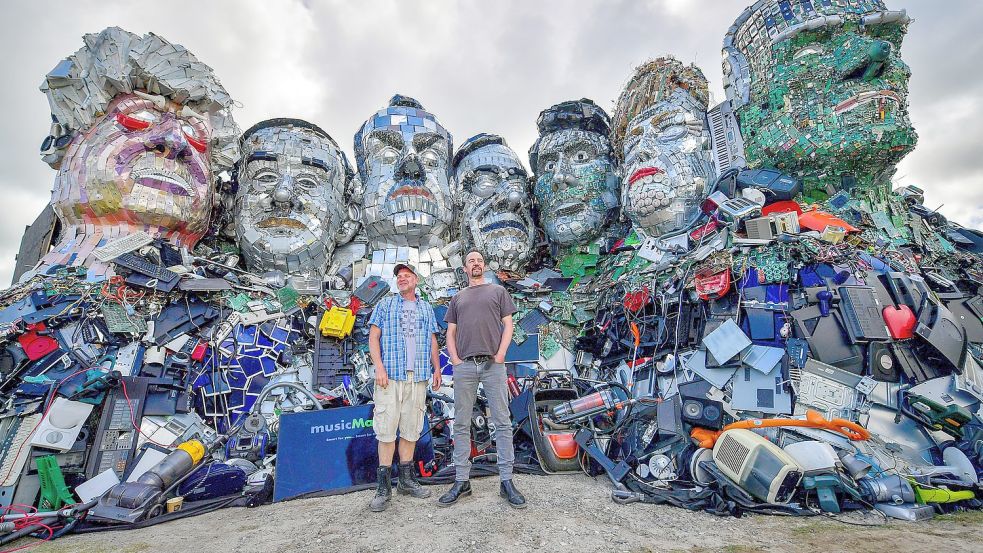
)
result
[(479, 331)]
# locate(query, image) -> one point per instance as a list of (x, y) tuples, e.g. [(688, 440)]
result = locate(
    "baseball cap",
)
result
[(403, 266)]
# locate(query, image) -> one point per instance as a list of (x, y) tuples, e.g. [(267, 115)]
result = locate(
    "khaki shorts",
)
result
[(400, 405)]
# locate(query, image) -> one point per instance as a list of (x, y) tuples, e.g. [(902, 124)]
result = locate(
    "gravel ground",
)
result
[(565, 513)]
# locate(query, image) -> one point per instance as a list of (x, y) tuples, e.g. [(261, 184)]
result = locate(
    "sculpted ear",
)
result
[(353, 214)]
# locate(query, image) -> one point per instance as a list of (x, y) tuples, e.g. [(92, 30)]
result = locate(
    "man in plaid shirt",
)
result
[(403, 346)]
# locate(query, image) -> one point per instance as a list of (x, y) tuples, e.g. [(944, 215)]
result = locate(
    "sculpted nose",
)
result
[(514, 199), (877, 54), (168, 139), (410, 168), (284, 193)]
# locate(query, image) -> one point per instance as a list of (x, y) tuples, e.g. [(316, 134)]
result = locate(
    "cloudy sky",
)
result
[(479, 66)]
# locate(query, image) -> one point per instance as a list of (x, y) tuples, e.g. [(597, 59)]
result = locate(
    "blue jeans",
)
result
[(467, 376)]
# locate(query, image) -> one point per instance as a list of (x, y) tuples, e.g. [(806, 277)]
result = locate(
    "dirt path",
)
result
[(566, 513)]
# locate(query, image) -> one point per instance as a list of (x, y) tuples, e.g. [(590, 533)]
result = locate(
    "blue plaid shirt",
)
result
[(387, 316)]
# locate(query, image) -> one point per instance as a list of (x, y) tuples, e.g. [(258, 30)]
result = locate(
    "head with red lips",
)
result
[(660, 135), (140, 127), (404, 160)]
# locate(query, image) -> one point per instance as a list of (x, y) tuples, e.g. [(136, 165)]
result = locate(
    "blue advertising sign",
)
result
[(332, 451)]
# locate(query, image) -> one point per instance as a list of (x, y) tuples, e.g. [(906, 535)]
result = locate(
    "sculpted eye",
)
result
[(485, 185), (808, 51), (672, 132), (430, 158), (137, 121), (549, 166), (266, 176), (307, 182), (193, 137), (581, 156), (388, 156)]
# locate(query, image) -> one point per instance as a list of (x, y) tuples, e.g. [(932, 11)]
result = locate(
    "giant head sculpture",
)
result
[(576, 186), (820, 89), (661, 138), (293, 192), (403, 156), (139, 129), (494, 203)]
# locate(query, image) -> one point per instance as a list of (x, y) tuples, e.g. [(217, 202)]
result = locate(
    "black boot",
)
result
[(408, 485), (383, 490), (508, 491), (460, 488)]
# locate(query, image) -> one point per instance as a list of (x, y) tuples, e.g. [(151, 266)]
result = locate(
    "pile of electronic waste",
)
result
[(780, 358), (776, 357)]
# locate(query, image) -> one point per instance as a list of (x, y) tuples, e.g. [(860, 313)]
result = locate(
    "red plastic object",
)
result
[(514, 389), (637, 300), (355, 304), (784, 206), (900, 321), (37, 345), (642, 173), (711, 286), (704, 230), (564, 446), (198, 354), (819, 220)]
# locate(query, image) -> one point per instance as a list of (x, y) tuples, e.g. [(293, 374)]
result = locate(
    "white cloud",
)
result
[(479, 66)]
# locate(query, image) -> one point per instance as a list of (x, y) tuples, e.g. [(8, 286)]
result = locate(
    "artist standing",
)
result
[(403, 346), (479, 330)]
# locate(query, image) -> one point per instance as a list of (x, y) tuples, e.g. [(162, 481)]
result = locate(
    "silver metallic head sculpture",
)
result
[(661, 136), (576, 185), (494, 202), (139, 129), (403, 156), (293, 187)]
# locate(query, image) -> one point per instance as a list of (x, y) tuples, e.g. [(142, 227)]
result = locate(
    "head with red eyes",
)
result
[(140, 158)]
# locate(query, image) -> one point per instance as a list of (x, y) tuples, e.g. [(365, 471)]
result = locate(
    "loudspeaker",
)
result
[(704, 413), (881, 362)]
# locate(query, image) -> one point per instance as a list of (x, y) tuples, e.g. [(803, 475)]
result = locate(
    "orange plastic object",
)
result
[(564, 446), (814, 419), (819, 220)]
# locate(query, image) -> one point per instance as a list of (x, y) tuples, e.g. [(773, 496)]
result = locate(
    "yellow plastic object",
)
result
[(337, 322), (195, 449), (940, 494)]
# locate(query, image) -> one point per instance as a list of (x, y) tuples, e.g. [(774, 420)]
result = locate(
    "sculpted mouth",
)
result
[(280, 222), (866, 97), (168, 181), (569, 208), (410, 190), (503, 222), (649, 174)]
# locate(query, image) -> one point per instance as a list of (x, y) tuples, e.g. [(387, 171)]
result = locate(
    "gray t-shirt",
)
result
[(408, 320), (478, 312)]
